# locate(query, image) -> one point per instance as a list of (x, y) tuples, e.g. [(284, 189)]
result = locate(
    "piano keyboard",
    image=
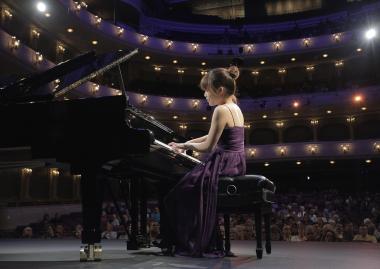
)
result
[(167, 147)]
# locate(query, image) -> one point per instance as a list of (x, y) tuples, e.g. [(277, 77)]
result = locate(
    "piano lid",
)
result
[(68, 75)]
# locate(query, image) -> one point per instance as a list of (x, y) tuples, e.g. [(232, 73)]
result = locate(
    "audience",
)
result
[(326, 216)]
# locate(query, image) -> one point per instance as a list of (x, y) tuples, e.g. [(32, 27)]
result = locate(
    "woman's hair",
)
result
[(221, 77)]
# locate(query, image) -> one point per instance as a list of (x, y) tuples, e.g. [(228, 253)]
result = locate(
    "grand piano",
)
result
[(98, 137), (106, 138)]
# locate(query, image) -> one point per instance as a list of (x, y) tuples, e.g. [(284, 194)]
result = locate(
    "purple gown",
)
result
[(191, 205)]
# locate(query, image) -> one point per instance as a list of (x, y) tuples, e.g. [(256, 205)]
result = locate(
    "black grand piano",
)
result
[(95, 136), (99, 138)]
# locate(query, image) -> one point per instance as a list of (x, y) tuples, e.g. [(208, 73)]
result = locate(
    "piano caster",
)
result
[(90, 253), (259, 253), (268, 248)]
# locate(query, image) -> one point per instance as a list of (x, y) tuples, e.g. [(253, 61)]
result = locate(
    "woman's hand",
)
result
[(177, 147)]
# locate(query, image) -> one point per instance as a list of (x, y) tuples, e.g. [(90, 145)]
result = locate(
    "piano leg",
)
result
[(133, 194), (259, 243), (143, 215), (92, 198), (268, 247)]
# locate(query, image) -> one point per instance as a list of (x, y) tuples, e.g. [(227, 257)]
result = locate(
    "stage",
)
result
[(60, 254)]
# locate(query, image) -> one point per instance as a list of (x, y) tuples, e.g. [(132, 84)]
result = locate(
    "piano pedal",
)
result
[(90, 253)]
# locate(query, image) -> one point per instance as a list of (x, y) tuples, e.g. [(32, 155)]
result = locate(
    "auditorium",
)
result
[(190, 134)]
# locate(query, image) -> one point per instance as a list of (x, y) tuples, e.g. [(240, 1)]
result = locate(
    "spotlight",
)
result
[(371, 33), (41, 6)]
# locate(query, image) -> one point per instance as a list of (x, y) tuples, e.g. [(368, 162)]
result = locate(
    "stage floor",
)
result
[(60, 254)]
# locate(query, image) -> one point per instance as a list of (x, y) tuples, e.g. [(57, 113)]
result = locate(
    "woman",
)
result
[(191, 205)]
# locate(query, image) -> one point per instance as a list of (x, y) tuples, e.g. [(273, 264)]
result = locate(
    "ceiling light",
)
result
[(371, 33), (41, 6)]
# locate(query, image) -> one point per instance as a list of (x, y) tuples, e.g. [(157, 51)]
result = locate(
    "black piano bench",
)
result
[(247, 194)]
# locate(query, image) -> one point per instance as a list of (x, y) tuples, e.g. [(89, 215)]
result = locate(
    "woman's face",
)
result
[(213, 98)]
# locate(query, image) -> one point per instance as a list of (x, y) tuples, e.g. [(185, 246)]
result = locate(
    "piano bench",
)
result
[(247, 194)]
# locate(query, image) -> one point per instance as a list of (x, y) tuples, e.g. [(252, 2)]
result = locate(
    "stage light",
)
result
[(204, 118), (266, 164), (203, 72), (247, 126), (358, 98), (157, 68), (175, 61), (47, 15), (262, 62), (328, 111), (94, 42), (371, 33), (255, 73), (298, 163), (147, 57), (70, 30), (310, 68), (203, 63), (180, 71), (296, 104), (359, 49), (332, 162), (41, 7), (364, 108), (175, 117), (325, 55), (265, 116), (296, 114), (293, 59), (368, 161)]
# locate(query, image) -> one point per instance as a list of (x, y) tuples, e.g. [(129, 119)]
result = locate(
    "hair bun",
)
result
[(233, 71)]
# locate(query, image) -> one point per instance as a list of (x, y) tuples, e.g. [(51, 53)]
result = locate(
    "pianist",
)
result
[(190, 207)]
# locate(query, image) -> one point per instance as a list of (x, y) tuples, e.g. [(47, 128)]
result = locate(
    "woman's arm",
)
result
[(198, 140), (218, 123)]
